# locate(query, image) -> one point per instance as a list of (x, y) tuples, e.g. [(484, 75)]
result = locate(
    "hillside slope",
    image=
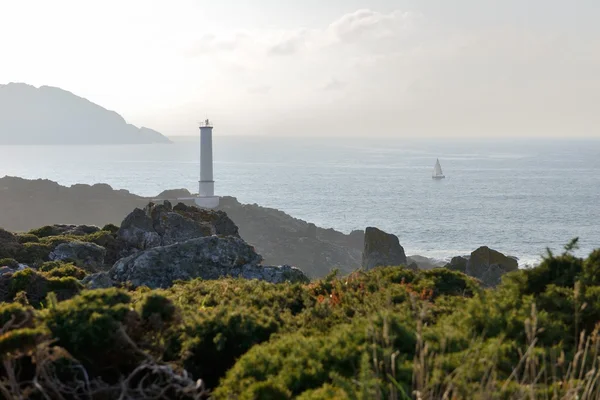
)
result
[(277, 236), (49, 115)]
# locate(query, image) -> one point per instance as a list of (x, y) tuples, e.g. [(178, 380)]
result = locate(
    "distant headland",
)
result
[(53, 116)]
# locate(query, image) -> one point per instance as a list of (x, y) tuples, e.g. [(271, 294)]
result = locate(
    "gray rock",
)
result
[(11, 270), (458, 263), (218, 222), (209, 257), (163, 225), (99, 280), (73, 230), (489, 265), (86, 255), (424, 263), (382, 249), (137, 231)]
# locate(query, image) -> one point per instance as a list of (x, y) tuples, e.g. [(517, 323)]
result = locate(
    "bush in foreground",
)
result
[(386, 333)]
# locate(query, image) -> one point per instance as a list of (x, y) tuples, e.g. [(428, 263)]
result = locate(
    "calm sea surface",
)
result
[(515, 196)]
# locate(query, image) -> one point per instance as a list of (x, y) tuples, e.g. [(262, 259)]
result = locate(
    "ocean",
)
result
[(516, 196)]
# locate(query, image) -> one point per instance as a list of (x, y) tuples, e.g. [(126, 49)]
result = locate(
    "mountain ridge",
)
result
[(50, 115)]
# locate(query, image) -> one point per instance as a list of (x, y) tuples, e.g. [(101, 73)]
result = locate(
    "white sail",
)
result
[(437, 170)]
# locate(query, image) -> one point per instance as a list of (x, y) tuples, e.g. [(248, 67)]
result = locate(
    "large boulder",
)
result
[(99, 280), (86, 255), (458, 263), (209, 257), (382, 249), (218, 222), (489, 265), (163, 225)]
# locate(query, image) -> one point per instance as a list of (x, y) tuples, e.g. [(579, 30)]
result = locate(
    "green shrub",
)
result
[(9, 262), (89, 327), (266, 390), (110, 228), (44, 231), (157, 306), (64, 271), (37, 286), (326, 392), (33, 253), (591, 269), (295, 362), (453, 283), (300, 363), (50, 265), (20, 341), (53, 241), (15, 315), (222, 335), (383, 333), (27, 238)]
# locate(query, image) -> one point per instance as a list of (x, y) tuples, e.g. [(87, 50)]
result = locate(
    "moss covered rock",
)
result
[(86, 255)]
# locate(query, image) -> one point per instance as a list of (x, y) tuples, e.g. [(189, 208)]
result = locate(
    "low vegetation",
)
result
[(389, 333)]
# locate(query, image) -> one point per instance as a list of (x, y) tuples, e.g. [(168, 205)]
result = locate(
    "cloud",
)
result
[(209, 43), (405, 74), (260, 89), (289, 43), (334, 85), (371, 25)]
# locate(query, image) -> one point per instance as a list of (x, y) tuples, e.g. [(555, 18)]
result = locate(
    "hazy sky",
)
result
[(318, 67)]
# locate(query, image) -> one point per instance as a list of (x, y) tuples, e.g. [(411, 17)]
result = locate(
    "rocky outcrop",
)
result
[(279, 237), (485, 264), (99, 280), (283, 239), (218, 222), (70, 230), (163, 225), (86, 255), (11, 269), (489, 265), (382, 249), (458, 263), (205, 257)]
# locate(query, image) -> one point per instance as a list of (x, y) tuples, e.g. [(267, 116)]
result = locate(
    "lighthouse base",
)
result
[(207, 201)]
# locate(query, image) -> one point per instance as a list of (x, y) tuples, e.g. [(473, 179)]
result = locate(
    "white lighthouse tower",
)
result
[(206, 186)]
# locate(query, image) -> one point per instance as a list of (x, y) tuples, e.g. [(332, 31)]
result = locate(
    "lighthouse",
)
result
[(206, 186)]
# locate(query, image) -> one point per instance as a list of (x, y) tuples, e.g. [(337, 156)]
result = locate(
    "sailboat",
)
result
[(437, 171)]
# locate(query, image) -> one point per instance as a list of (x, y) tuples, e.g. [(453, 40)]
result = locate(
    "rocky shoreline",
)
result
[(160, 244), (279, 238)]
